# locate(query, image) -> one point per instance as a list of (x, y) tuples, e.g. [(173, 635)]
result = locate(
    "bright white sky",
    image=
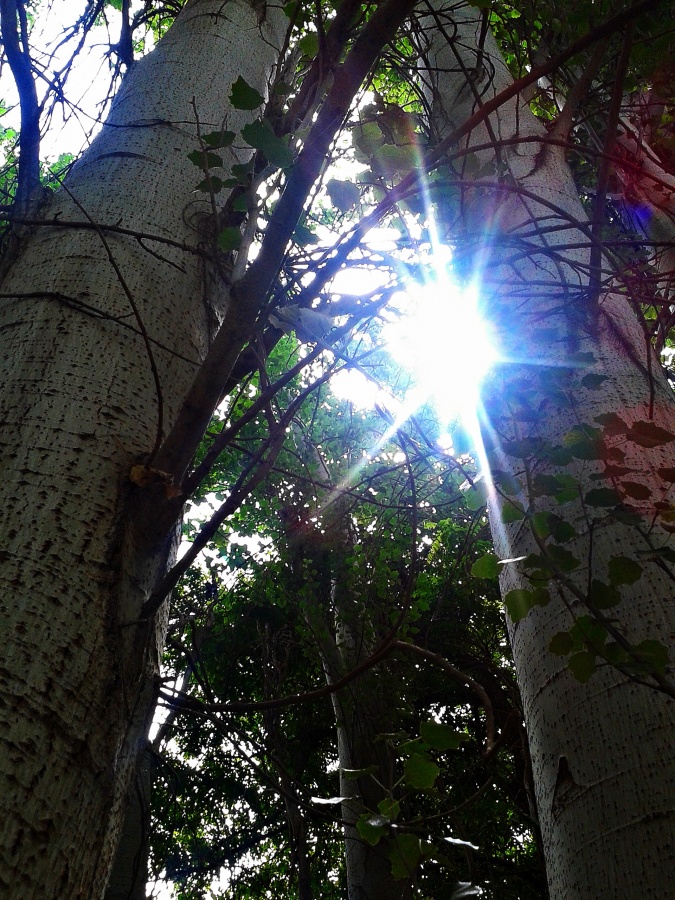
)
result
[(87, 83)]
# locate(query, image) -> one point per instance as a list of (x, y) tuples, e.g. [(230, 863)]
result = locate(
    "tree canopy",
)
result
[(336, 592)]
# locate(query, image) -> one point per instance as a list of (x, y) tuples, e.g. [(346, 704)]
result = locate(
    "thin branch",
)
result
[(248, 295), (137, 315), (464, 679)]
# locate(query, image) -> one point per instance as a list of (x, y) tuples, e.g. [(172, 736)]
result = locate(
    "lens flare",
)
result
[(445, 344)]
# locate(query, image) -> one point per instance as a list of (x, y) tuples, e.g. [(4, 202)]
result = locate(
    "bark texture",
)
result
[(601, 751), (78, 403)]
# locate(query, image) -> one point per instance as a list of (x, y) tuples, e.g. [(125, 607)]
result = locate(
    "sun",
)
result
[(446, 345)]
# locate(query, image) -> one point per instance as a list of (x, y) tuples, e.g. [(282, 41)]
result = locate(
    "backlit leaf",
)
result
[(420, 771), (440, 736), (486, 567), (372, 828), (309, 44), (404, 853), (343, 194)]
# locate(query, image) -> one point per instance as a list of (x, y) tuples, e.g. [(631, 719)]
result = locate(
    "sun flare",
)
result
[(445, 344)]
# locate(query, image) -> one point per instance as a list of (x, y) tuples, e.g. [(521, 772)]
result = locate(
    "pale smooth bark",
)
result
[(601, 751), (78, 404)]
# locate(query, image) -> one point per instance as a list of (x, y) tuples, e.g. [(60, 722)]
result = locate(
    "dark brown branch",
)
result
[(140, 236), (477, 689), (19, 61), (248, 295)]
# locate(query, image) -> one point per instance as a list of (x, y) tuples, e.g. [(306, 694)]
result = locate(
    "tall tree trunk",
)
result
[(78, 404), (601, 750), (362, 712)]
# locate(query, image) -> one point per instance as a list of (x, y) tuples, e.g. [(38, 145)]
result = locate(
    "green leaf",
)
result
[(563, 559), (561, 531), (541, 524), (623, 570), (240, 203), (440, 736), (582, 665), (603, 596), (243, 96), (615, 654), (205, 160), (213, 183), (218, 139), (242, 171), (476, 496), (667, 553), (507, 483), (557, 455), (343, 194), (648, 434), (420, 771), (602, 497), (612, 424), (568, 490), (404, 852), (653, 654), (587, 630), (584, 442), (486, 567), (395, 160), (260, 136), (229, 239), (521, 600), (372, 828), (592, 382), (389, 808), (512, 511), (635, 490), (546, 485), (303, 237), (561, 643), (524, 448), (309, 44)]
